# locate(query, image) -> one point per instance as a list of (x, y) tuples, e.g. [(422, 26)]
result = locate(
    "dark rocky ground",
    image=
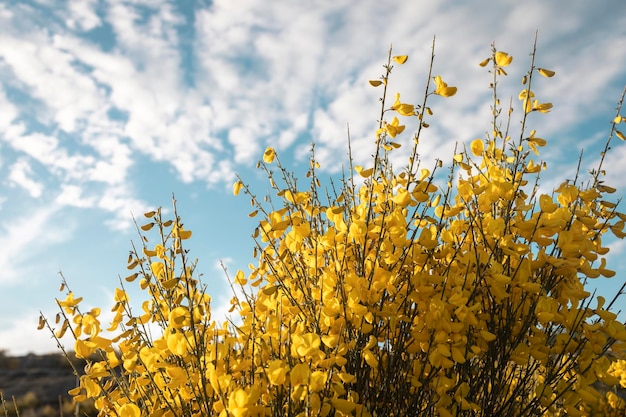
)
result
[(37, 383)]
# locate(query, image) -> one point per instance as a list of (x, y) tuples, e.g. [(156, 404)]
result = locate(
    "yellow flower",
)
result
[(268, 155), (477, 146), (178, 231), (179, 317), (393, 129), (318, 381), (442, 88), (84, 348), (177, 343), (70, 302), (400, 59), (277, 372), (503, 59), (542, 107), (299, 374), (403, 109), (128, 410), (237, 186), (307, 344), (546, 72), (370, 358), (238, 402)]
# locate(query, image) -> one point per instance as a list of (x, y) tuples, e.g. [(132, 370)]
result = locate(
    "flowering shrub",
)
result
[(386, 295)]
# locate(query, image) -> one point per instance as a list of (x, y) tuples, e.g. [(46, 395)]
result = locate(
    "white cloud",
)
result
[(82, 15), (269, 73), (49, 75), (21, 175), (5, 13), (25, 238), (50, 153), (246, 148), (72, 196), (115, 158), (8, 112), (21, 336), (165, 119), (119, 201)]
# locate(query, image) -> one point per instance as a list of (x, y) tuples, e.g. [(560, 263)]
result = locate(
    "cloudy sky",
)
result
[(107, 107)]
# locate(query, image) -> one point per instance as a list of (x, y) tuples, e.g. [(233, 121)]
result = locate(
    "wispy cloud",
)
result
[(21, 175), (266, 73), (25, 238), (23, 338)]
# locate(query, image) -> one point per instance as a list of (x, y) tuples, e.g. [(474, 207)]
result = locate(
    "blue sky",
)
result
[(107, 107)]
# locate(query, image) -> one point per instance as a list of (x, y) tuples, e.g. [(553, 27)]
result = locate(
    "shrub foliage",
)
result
[(391, 292)]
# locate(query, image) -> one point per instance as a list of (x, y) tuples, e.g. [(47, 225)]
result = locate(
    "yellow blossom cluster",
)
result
[(391, 296)]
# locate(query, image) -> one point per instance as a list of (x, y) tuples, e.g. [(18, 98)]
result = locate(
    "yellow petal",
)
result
[(503, 59), (129, 410), (403, 198), (439, 82), (477, 146), (240, 278), (403, 109), (400, 59), (542, 107), (393, 129), (177, 343), (370, 358), (488, 336), (59, 334), (485, 62), (406, 109), (458, 355), (375, 83), (147, 227), (330, 340), (525, 94), (546, 72), (237, 186), (372, 341), (620, 135), (83, 349), (299, 374), (179, 317), (344, 406), (276, 372), (442, 88), (606, 189), (268, 155), (537, 141), (446, 92), (363, 172), (184, 234)]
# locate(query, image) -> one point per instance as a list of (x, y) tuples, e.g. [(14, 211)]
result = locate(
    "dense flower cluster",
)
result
[(389, 296)]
